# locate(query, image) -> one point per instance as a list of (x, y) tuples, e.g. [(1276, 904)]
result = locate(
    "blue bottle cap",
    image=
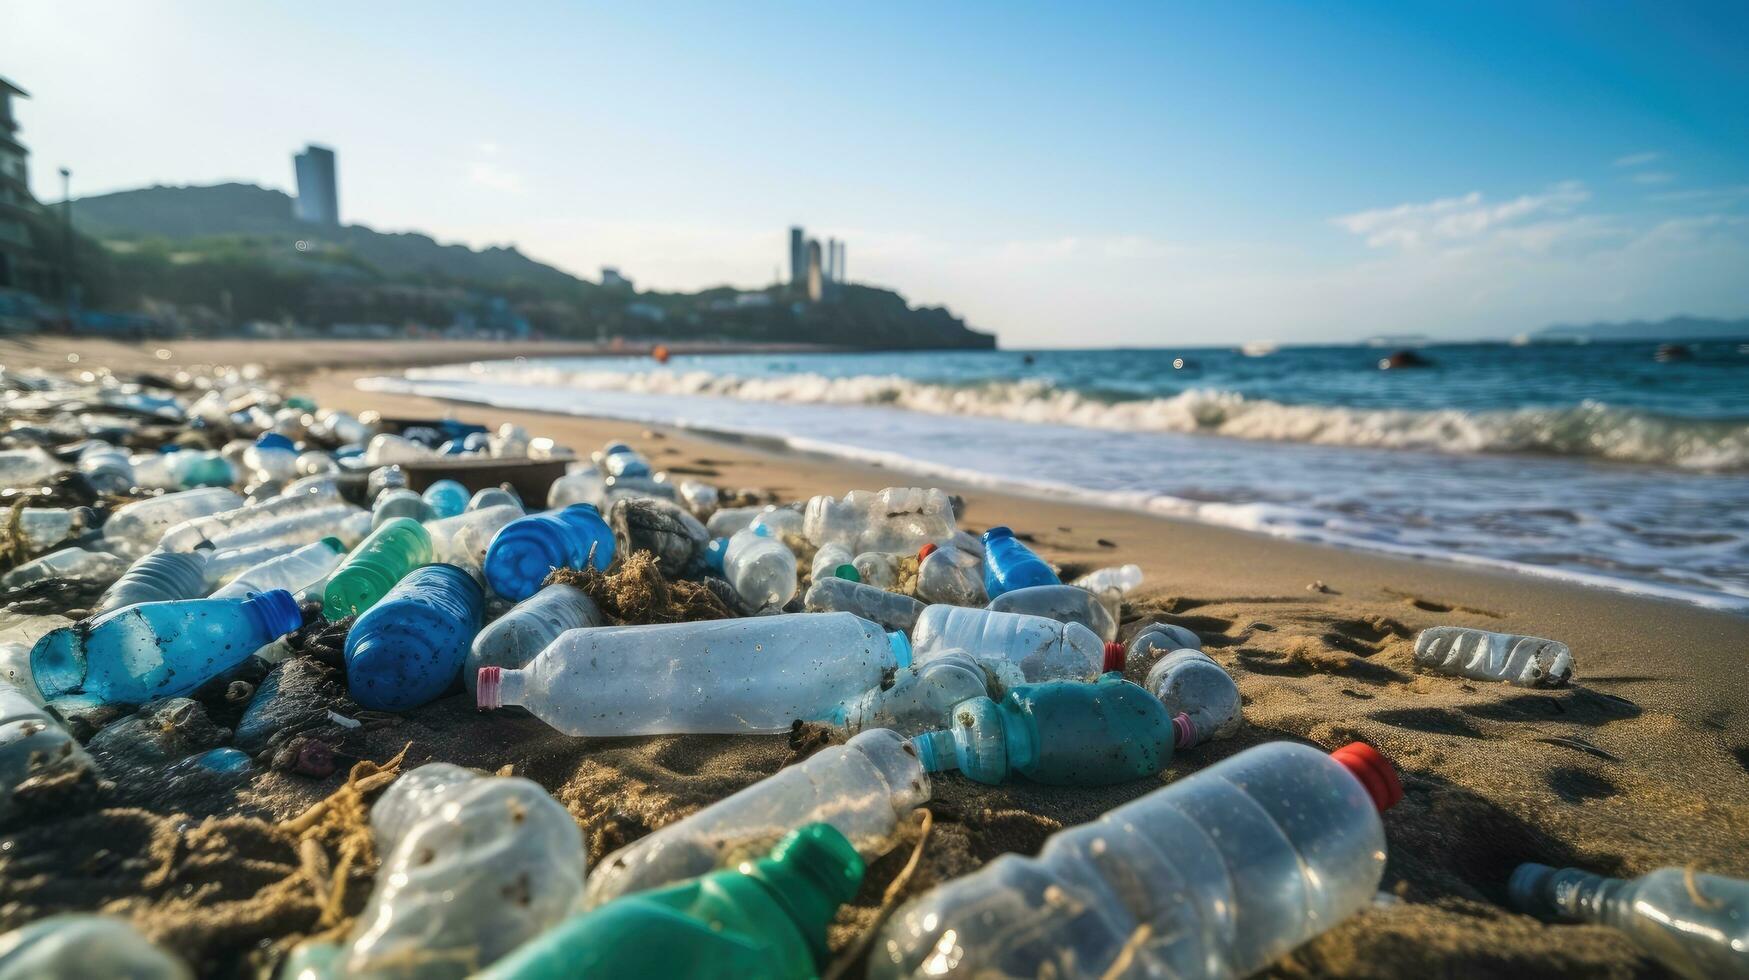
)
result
[(273, 440), (277, 610), (997, 533)]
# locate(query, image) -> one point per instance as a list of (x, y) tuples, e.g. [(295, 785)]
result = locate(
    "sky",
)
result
[(1064, 174)]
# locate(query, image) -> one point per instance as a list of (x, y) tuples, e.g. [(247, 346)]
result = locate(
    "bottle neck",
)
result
[(1568, 893), (810, 873)]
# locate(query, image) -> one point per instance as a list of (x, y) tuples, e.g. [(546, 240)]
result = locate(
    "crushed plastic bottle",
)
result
[(159, 649), (949, 575), (407, 649), (373, 568), (1193, 686), (32, 743), (1041, 649), (922, 696), (1063, 603), (1010, 564), (1525, 661), (77, 947), (224, 566), (760, 568), (1214, 876), (1695, 924), (66, 565), (865, 788), (528, 548), (1061, 733), (518, 636), (161, 576), (44, 527), (295, 571), (890, 609), (764, 918), (473, 867), (721, 676), (136, 528), (1158, 639), (398, 502)]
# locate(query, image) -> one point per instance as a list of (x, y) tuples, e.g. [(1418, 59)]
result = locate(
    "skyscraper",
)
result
[(838, 268), (798, 261), (318, 192), (815, 287), (831, 260)]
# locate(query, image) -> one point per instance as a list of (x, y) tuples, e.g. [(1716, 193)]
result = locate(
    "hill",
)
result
[(1674, 328)]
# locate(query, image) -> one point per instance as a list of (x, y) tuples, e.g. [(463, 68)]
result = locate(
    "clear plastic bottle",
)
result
[(1214, 876), (878, 568), (897, 519), (384, 478), (833, 561), (723, 676), (865, 788), (465, 538), (407, 649), (162, 576), (44, 527), (1695, 924), (159, 649), (729, 520), (296, 571), (27, 467), (223, 566), (1061, 733), (68, 565), (1010, 564), (921, 697), (135, 528), (1526, 661), (227, 526), (585, 486), (890, 609), (1042, 649), (398, 502), (106, 467), (951, 576), (32, 743), (473, 867), (1118, 578), (760, 568), (528, 548), (272, 459), (518, 636), (782, 523), (1063, 603), (386, 449), (493, 497), (699, 498), (619, 459), (1158, 639), (1190, 684), (76, 946), (373, 568)]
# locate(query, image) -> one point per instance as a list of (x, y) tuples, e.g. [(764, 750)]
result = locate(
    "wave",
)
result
[(1589, 429)]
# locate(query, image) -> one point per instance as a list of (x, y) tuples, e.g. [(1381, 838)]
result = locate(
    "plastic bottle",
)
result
[(584, 486), (229, 525), (728, 676), (407, 649), (728, 520), (182, 470), (296, 571), (135, 528), (446, 498), (76, 946), (509, 442), (1118, 578), (315, 463), (1216, 875), (26, 467), (385, 449), (1695, 924), (44, 527), (473, 867), (921, 697), (1062, 733), (877, 568), (760, 568), (398, 502), (1063, 603), (1042, 649), (518, 636), (159, 649), (373, 568), (465, 538), (1010, 564), (619, 459), (897, 519), (223, 566), (1190, 684), (384, 478), (273, 458), (1158, 639), (162, 576), (32, 743), (890, 609), (493, 497), (699, 498), (865, 788), (1526, 661), (106, 467), (782, 523), (528, 548), (342, 521), (950, 576), (833, 561), (67, 565)]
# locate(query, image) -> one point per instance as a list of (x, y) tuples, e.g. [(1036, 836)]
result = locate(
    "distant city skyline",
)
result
[(1065, 176)]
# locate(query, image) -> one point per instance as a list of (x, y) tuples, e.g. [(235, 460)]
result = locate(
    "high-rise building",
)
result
[(832, 260), (798, 260), (318, 192), (838, 267), (19, 266), (816, 288)]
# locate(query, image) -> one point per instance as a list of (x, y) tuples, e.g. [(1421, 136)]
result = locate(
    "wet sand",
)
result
[(1642, 762)]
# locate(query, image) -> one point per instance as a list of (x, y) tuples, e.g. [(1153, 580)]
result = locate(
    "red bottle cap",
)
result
[(1183, 731), (926, 551), (486, 687), (1115, 655), (1374, 771)]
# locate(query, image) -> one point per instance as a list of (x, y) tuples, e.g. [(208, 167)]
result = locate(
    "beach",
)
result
[(1642, 762)]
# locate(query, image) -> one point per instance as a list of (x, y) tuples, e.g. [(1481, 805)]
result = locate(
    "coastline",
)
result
[(1641, 764)]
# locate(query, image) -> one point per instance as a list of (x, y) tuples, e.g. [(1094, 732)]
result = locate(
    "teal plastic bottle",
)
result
[(407, 649), (765, 918), (528, 548), (400, 545), (1063, 733)]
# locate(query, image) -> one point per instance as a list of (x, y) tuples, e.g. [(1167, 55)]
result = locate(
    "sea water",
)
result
[(1594, 463)]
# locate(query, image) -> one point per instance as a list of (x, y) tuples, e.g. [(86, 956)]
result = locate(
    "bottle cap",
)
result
[(335, 544), (847, 572), (900, 644), (487, 687), (998, 532), (1374, 771), (822, 852), (1115, 655), (1183, 731), (277, 610), (926, 551)]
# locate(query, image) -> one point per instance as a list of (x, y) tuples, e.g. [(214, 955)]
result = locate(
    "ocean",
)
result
[(1595, 463)]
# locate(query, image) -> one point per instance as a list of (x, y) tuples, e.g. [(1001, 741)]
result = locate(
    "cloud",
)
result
[(1653, 177), (1455, 219), (1639, 159)]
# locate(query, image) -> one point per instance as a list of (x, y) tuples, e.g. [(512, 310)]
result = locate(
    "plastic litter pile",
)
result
[(205, 578)]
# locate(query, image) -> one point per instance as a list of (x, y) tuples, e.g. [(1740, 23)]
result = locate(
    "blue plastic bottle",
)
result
[(160, 649), (1010, 565), (408, 648), (446, 498), (526, 549)]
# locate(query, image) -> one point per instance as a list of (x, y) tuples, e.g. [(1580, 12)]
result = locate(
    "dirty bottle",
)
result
[(32, 743), (373, 568), (720, 676), (890, 609), (1695, 924), (295, 571), (879, 569), (407, 649), (1010, 564), (518, 636), (760, 568), (76, 945), (528, 548), (921, 697), (135, 528), (398, 502), (161, 576), (1216, 875), (446, 498), (159, 649), (1042, 649), (1158, 639), (1063, 603), (896, 519), (1198, 694), (67, 565), (1525, 661), (950, 576)]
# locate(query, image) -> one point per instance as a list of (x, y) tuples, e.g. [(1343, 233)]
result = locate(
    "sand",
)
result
[(1643, 762)]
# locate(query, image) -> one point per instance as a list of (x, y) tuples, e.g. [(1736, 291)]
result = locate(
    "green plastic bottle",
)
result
[(765, 918), (391, 551), (1064, 733)]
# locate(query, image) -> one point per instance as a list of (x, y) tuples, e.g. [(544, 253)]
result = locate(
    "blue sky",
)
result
[(1064, 174)]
